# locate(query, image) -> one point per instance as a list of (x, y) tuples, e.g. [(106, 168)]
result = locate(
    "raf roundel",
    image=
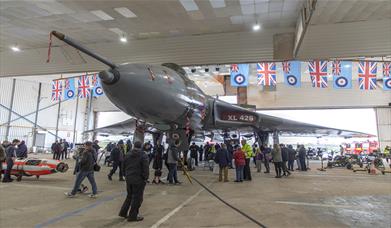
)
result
[(387, 83), (70, 94), (292, 80), (99, 91), (239, 79), (341, 82)]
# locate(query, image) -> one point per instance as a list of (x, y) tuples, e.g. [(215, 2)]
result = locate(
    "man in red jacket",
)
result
[(240, 162)]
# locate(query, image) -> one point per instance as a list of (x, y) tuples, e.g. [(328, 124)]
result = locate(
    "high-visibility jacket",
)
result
[(248, 151), (387, 151)]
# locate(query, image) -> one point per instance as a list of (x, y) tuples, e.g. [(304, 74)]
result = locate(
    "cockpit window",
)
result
[(33, 162), (177, 69)]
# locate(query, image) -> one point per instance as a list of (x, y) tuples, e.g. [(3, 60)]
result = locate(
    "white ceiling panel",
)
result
[(102, 15), (85, 17), (125, 12), (54, 7), (217, 3), (189, 5)]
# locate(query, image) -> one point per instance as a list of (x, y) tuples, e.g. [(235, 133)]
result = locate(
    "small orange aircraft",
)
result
[(36, 167)]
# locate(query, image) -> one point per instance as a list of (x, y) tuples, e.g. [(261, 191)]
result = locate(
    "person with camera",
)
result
[(87, 165)]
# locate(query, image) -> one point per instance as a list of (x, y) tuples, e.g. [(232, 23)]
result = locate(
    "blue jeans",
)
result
[(79, 179), (239, 173), (172, 173)]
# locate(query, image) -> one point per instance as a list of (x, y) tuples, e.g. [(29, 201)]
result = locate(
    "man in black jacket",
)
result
[(302, 154), (136, 166), (86, 163), (291, 157), (117, 157), (194, 153), (285, 155), (21, 152)]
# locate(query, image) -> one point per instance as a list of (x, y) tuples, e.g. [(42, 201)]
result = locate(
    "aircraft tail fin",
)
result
[(83, 49)]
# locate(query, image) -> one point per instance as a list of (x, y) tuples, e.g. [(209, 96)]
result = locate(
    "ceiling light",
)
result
[(125, 12), (123, 39), (15, 48), (256, 27), (102, 15)]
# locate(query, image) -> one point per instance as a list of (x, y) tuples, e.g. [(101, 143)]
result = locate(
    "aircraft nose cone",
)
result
[(109, 76)]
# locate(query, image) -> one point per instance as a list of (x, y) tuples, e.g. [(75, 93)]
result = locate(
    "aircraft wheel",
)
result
[(19, 178), (383, 173), (37, 176)]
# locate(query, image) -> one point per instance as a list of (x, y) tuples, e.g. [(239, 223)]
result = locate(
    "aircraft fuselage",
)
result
[(156, 94)]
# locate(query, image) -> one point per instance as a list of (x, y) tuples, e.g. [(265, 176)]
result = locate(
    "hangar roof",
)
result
[(28, 23), (183, 31)]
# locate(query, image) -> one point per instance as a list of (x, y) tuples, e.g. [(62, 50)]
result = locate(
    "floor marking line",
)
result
[(175, 210), (315, 204), (78, 211)]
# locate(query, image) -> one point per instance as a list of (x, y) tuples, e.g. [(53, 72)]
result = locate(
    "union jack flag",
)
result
[(94, 79), (318, 73), (266, 73), (367, 75), (234, 68), (56, 90), (386, 69), (83, 89), (286, 67), (67, 84), (336, 67)]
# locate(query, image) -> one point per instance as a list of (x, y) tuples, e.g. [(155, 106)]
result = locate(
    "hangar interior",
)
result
[(205, 37)]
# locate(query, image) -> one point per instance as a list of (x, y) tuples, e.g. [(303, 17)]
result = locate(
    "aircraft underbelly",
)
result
[(158, 106)]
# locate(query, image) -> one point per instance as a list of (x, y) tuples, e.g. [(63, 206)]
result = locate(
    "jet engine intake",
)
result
[(109, 77)]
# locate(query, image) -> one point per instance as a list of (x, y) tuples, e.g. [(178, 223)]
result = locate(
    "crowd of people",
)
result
[(9, 151), (133, 161), (60, 149)]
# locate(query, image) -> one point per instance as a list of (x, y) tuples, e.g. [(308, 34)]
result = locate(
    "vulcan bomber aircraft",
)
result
[(161, 98)]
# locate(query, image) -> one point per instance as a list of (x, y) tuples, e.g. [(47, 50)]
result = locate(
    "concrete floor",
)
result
[(335, 198)]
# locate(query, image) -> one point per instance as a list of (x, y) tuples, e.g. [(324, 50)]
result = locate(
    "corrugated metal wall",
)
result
[(362, 38), (25, 99), (383, 116)]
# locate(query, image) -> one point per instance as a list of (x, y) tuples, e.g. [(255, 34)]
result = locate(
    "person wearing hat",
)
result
[(117, 157)]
